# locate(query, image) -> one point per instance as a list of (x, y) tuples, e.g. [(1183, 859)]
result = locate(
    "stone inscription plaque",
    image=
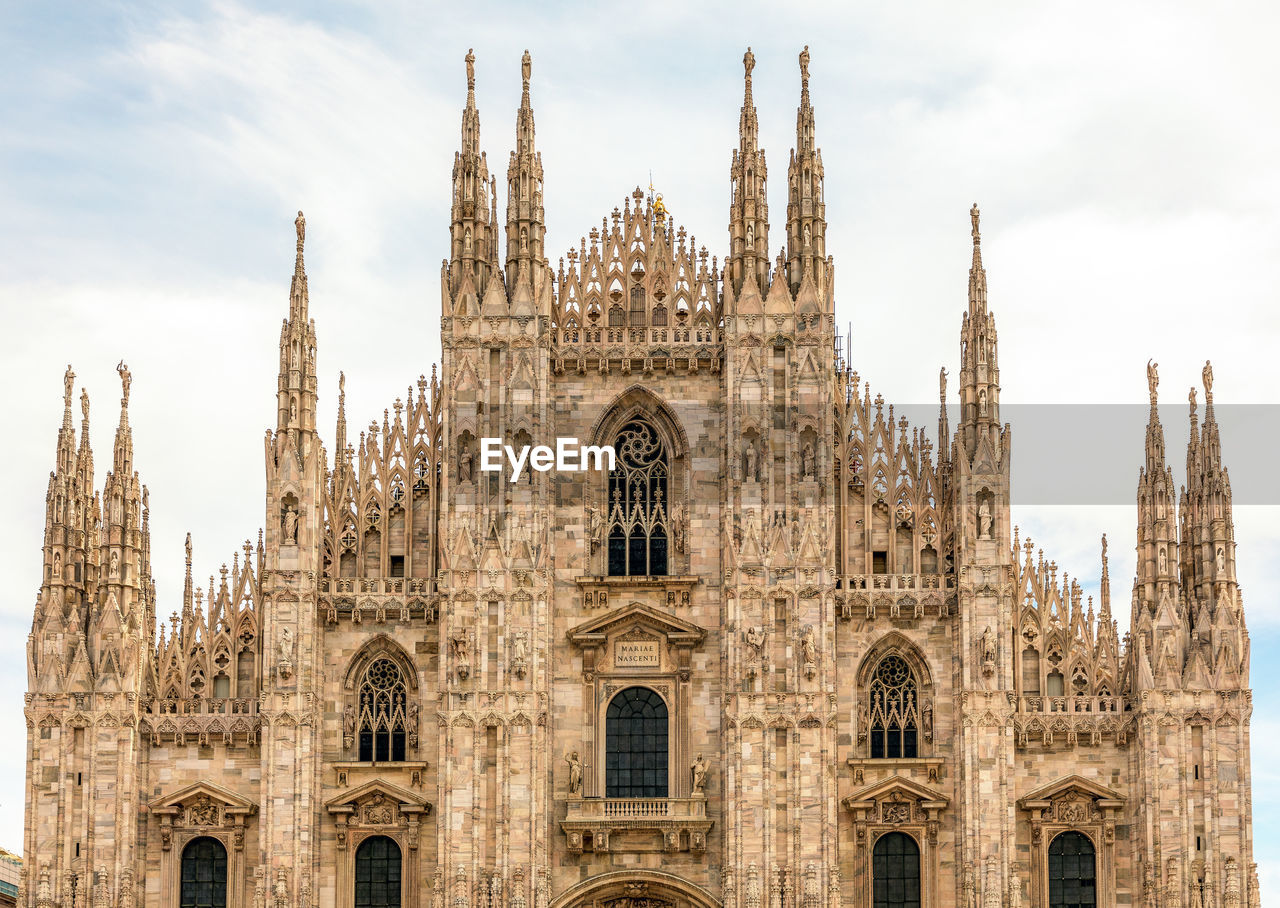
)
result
[(636, 654)]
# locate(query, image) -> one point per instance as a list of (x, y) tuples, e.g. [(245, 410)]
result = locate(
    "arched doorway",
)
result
[(635, 889)]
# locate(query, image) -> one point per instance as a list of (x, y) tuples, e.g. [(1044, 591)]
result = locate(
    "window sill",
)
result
[(930, 767), (597, 590), (415, 768), (680, 823)]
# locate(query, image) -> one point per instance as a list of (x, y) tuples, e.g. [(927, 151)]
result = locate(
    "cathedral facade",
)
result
[(787, 651)]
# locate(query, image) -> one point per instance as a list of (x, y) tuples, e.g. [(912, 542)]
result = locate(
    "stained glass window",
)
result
[(895, 872), (894, 712), (382, 712), (635, 763), (378, 873), (1072, 869), (204, 874), (638, 503)]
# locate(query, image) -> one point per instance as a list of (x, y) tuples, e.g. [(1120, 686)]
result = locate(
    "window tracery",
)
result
[(894, 713), (638, 492), (382, 712)]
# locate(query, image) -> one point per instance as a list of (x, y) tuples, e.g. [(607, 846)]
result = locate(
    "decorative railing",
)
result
[(637, 808), (896, 595), (629, 824), (1038, 704)]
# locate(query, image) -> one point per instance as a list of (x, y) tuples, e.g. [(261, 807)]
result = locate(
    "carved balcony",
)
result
[(377, 600), (637, 824), (895, 596)]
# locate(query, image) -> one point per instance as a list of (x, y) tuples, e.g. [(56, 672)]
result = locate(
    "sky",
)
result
[(153, 157)]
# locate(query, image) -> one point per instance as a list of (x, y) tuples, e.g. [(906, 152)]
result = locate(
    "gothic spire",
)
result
[(979, 365), (1208, 531), (1157, 537), (296, 389), (806, 207), (749, 209), (471, 231), (525, 218)]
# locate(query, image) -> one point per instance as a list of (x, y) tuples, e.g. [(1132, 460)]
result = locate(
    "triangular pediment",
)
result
[(636, 615), (223, 797), (896, 788), (371, 790), (1067, 784)]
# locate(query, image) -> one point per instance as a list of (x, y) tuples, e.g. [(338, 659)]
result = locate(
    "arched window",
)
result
[(1072, 872), (378, 873), (894, 714), (204, 874), (638, 503), (635, 762), (895, 872), (382, 712)]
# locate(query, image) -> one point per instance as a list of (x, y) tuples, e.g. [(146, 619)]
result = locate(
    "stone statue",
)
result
[(595, 525), (300, 225), (125, 380), (286, 645), (114, 570), (1207, 374), (290, 525), (1220, 559), (699, 772), (748, 62), (750, 462), (804, 64), (755, 639), (808, 647), (678, 526), (349, 721), (806, 461), (984, 519), (466, 241), (204, 812), (1164, 560), (520, 648), (526, 64), (1191, 398), (471, 69), (808, 234), (751, 236), (1153, 379), (988, 645), (575, 773), (465, 463)]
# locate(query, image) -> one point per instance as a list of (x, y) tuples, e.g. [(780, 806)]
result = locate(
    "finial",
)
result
[(300, 224), (804, 67), (84, 404), (470, 59), (1153, 380), (188, 548), (1191, 399), (942, 384), (68, 380), (1207, 375), (748, 63), (125, 380), (526, 65), (1104, 549), (973, 216)]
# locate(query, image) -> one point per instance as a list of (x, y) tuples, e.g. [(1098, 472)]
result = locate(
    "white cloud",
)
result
[(1123, 158)]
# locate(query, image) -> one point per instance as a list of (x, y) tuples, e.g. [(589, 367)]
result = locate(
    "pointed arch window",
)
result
[(638, 495), (204, 874), (383, 701), (1072, 872), (894, 714)]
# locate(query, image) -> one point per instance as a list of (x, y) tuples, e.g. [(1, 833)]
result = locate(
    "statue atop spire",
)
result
[(974, 215), (84, 404), (300, 225), (1153, 380), (748, 64), (1207, 375), (68, 380), (804, 67), (470, 59), (526, 66), (126, 379)]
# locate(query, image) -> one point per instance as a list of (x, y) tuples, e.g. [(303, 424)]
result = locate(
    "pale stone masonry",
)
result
[(844, 677)]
